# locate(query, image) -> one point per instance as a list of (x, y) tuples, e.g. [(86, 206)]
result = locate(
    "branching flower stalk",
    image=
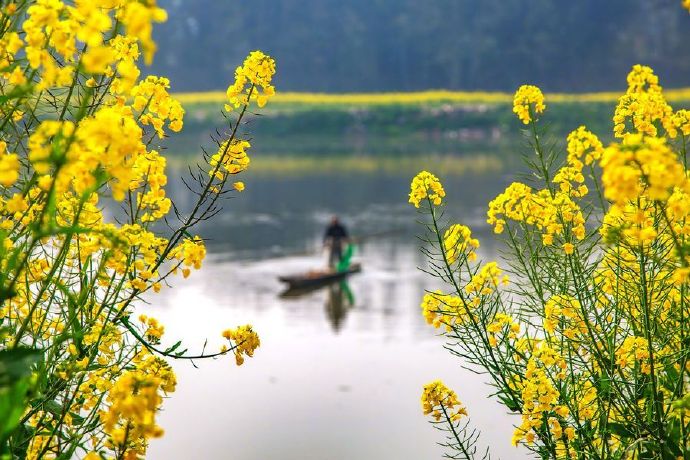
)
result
[(80, 376), (588, 345)]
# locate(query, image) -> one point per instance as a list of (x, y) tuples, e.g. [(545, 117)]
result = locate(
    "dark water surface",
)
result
[(340, 371)]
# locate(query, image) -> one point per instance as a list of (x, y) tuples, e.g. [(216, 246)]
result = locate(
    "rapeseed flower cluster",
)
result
[(422, 184), (9, 166), (639, 166), (680, 122), (443, 310), (231, 158), (190, 254), (528, 103), (562, 314), (155, 106), (486, 280), (643, 106), (252, 81), (584, 148), (540, 395), (246, 342), (154, 330), (133, 401), (554, 214), (439, 401), (588, 342), (634, 350), (501, 324), (79, 130), (150, 171), (458, 241)]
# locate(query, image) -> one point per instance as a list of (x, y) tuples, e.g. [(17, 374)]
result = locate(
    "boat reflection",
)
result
[(339, 301)]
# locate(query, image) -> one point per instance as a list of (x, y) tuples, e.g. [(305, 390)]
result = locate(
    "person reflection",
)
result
[(339, 300)]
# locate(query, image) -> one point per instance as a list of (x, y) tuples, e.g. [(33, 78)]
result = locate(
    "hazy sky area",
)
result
[(402, 45)]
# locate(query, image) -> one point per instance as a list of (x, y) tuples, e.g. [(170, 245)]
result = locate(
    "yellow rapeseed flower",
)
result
[(422, 184), (548, 212), (642, 105), (634, 350), (501, 323), (443, 310), (156, 106), (245, 340), (458, 241), (16, 204), (138, 19), (231, 158), (133, 401), (680, 121), (486, 280), (9, 166), (96, 140), (440, 401), (528, 103), (640, 165), (583, 149), (568, 248), (539, 392), (252, 81), (190, 253)]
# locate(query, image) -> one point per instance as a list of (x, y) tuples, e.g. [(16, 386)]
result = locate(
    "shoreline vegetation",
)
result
[(441, 123)]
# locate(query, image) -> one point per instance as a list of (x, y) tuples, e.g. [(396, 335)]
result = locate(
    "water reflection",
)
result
[(286, 215), (340, 300), (340, 369)]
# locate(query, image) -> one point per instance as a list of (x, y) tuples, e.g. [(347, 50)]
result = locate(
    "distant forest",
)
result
[(404, 45)]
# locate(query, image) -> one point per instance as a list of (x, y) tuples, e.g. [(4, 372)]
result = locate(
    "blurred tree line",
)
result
[(402, 45)]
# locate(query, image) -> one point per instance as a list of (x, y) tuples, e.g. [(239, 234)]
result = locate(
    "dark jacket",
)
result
[(336, 233)]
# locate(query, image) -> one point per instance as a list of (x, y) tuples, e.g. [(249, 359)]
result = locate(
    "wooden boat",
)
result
[(318, 278)]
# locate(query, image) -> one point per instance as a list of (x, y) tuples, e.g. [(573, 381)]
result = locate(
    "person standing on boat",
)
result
[(335, 239)]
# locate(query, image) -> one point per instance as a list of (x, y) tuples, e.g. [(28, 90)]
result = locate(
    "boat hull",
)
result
[(314, 281)]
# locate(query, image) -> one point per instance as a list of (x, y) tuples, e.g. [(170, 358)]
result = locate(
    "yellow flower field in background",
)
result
[(421, 97)]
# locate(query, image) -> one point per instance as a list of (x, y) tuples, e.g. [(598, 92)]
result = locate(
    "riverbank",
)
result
[(400, 124)]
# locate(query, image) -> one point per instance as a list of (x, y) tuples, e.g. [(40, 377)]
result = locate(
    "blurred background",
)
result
[(341, 367), (410, 45)]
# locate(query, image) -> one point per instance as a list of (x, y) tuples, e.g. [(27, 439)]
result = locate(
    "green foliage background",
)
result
[(403, 45)]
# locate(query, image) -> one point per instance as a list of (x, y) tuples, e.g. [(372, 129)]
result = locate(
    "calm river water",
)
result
[(333, 379)]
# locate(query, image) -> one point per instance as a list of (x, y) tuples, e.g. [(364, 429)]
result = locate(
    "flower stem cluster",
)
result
[(589, 343), (82, 199)]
